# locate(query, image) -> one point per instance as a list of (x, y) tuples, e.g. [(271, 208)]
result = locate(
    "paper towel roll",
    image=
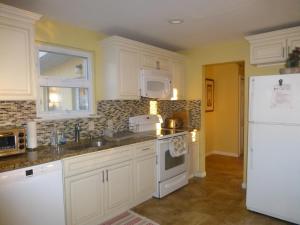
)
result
[(31, 135)]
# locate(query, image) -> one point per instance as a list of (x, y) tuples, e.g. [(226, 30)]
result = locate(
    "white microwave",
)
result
[(155, 84)]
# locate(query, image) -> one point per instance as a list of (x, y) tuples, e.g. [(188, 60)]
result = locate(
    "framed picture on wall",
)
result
[(209, 89)]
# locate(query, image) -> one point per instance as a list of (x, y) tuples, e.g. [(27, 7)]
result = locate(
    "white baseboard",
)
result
[(200, 174), (222, 153), (244, 186)]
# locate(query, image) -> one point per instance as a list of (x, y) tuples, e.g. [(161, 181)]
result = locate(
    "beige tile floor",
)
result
[(216, 199)]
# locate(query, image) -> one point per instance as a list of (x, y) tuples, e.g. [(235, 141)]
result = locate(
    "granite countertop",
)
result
[(45, 154)]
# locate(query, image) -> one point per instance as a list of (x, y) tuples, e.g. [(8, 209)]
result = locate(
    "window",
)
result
[(65, 82)]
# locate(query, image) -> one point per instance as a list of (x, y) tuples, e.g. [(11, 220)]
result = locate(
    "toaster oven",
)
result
[(12, 141)]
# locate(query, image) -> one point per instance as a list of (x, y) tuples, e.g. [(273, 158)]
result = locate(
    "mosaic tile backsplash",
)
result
[(116, 112)]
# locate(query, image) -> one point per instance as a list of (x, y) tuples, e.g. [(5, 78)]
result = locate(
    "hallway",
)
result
[(216, 199)]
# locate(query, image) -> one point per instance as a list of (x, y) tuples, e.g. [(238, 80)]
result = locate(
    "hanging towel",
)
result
[(178, 146)]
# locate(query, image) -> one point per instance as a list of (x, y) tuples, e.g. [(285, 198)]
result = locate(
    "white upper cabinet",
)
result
[(129, 73), (273, 47), (154, 61), (293, 42), (17, 58), (121, 68), (178, 79), (123, 60), (273, 51)]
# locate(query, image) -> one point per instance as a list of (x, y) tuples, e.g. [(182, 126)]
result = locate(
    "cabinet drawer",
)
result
[(145, 148), (92, 161)]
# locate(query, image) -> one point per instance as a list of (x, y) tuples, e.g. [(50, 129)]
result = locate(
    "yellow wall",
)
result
[(229, 51), (222, 125), (49, 31)]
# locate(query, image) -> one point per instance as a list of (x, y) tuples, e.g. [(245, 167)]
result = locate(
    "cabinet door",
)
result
[(178, 82), (163, 63), (145, 178), (118, 187), (268, 51), (85, 198), (16, 63), (293, 42), (149, 60), (129, 73), (155, 61)]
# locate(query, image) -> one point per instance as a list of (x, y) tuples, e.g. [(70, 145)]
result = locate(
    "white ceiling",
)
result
[(147, 20)]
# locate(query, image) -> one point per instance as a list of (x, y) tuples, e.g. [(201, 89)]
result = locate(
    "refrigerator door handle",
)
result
[(251, 149), (251, 157)]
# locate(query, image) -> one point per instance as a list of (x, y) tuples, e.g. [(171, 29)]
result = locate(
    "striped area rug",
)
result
[(129, 218)]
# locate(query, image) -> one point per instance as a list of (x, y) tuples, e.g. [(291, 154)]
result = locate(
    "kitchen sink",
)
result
[(84, 144), (121, 136), (129, 136)]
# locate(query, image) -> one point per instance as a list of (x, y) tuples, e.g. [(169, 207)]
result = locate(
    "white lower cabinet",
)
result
[(85, 198), (145, 178), (118, 187), (93, 195), (101, 185)]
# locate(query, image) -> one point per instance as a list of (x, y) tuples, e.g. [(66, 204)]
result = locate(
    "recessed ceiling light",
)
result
[(176, 21)]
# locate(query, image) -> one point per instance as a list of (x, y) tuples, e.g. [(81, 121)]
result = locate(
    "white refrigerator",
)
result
[(273, 171)]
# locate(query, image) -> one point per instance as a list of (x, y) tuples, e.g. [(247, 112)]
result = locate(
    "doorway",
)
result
[(224, 108)]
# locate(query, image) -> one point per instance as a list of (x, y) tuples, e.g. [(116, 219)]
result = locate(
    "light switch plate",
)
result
[(110, 124)]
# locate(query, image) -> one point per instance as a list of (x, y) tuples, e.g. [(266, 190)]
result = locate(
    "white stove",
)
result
[(171, 171)]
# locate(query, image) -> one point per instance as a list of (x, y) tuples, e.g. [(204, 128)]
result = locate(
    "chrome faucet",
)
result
[(77, 132)]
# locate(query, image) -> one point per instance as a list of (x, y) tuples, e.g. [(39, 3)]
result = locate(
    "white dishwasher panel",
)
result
[(32, 196)]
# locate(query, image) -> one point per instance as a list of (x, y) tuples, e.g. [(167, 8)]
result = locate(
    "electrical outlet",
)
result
[(110, 124), (91, 125)]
